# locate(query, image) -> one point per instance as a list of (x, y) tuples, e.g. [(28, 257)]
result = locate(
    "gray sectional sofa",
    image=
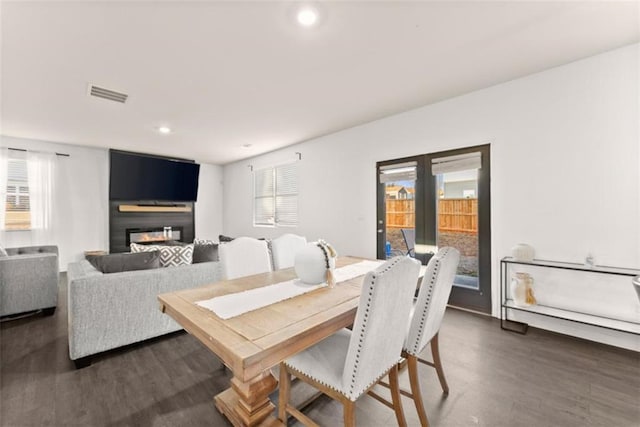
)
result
[(107, 311), (29, 280)]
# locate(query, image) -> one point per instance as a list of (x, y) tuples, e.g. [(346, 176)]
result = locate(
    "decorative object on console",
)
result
[(3, 252), (523, 252), (117, 263), (315, 263), (522, 290), (170, 256)]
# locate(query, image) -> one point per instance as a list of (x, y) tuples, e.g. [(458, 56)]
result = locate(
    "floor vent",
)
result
[(111, 95)]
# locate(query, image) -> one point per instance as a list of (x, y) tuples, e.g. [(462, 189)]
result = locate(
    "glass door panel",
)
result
[(398, 201), (400, 212), (457, 221)]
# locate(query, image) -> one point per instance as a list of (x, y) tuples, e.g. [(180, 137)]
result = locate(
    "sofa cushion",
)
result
[(204, 251), (170, 256), (116, 263)]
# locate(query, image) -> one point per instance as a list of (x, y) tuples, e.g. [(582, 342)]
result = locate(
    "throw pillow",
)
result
[(170, 256), (197, 241), (204, 251), (116, 263), (173, 243), (3, 252), (225, 239)]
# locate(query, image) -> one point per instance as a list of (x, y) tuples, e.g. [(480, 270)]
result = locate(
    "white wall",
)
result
[(565, 166), (82, 221), (208, 211)]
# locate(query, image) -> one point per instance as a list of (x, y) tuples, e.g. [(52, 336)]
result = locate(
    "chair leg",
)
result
[(285, 391), (415, 389), (349, 413), (395, 396), (437, 362)]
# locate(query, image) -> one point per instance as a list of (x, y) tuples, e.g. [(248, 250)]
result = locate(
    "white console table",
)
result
[(598, 296)]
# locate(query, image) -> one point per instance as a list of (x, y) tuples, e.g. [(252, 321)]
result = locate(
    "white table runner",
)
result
[(228, 306)]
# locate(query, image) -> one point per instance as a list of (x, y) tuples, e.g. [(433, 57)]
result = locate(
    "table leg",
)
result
[(247, 404)]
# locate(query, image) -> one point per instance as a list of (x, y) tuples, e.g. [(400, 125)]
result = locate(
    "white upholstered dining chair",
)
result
[(426, 319), (244, 256), (347, 364), (284, 249)]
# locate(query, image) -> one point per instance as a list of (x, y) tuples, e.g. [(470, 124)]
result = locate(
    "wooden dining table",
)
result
[(253, 342)]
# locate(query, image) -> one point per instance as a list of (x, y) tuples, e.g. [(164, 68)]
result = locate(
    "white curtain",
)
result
[(41, 173), (4, 168)]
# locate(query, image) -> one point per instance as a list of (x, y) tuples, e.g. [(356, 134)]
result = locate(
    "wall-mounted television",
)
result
[(136, 176)]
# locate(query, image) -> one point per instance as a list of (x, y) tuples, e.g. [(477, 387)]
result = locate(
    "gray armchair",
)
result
[(29, 280)]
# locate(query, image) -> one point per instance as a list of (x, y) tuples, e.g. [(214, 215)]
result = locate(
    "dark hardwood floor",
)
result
[(496, 378)]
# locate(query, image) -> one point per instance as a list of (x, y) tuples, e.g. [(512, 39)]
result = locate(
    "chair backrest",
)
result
[(409, 235), (383, 310), (284, 249), (432, 299), (244, 256)]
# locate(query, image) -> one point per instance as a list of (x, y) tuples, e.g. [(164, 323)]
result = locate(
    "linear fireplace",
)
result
[(153, 235), (153, 223)]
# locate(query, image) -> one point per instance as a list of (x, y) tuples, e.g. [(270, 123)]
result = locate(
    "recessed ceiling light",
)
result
[(164, 129), (307, 16)]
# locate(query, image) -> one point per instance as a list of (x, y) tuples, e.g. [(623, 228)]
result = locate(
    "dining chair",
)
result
[(347, 364), (426, 319), (244, 256), (284, 249)]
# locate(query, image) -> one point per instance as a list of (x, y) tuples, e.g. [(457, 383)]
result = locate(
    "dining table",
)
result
[(252, 342)]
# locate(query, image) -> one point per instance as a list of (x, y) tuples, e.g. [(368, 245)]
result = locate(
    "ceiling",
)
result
[(227, 74)]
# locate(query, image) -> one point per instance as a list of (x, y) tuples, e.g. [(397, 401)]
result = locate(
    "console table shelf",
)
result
[(628, 322)]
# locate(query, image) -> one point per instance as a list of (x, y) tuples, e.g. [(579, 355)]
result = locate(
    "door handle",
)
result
[(380, 230)]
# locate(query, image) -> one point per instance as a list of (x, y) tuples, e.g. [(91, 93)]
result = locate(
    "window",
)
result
[(17, 203), (275, 196)]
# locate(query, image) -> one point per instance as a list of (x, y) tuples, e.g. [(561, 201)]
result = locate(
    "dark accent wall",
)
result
[(120, 221)]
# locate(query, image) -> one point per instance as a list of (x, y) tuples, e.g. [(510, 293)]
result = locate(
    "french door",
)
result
[(437, 200)]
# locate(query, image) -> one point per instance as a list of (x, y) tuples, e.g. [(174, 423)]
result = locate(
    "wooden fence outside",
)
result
[(457, 215), (401, 213)]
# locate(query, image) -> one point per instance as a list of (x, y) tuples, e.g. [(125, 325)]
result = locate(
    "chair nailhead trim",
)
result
[(364, 324)]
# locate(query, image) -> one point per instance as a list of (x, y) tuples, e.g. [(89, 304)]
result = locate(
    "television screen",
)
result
[(140, 177)]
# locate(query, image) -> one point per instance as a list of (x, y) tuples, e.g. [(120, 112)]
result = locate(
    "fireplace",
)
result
[(153, 235), (146, 223)]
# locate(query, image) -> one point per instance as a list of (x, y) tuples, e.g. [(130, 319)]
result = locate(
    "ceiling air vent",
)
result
[(111, 95)]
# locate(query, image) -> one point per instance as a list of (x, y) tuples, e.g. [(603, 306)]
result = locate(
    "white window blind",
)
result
[(398, 172), (276, 195), (456, 163)]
